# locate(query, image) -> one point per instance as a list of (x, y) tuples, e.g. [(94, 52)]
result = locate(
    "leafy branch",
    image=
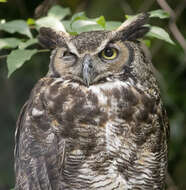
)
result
[(22, 49)]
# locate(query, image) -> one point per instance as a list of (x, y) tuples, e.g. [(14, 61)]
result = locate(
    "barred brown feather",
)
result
[(94, 122)]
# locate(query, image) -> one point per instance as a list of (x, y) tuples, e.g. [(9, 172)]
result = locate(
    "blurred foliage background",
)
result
[(170, 62)]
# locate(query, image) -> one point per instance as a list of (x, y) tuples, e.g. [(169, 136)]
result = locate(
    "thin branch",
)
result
[(172, 25), (163, 4), (177, 34)]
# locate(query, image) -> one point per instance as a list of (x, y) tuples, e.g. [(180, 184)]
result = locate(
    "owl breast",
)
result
[(111, 133)]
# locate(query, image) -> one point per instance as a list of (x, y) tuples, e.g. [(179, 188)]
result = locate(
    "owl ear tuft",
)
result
[(51, 39), (133, 28)]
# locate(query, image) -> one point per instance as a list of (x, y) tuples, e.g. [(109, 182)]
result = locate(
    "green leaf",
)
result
[(59, 12), (29, 42), (147, 43), (81, 23), (112, 25), (30, 21), (85, 26), (2, 21), (19, 26), (130, 16), (101, 21), (157, 32), (9, 42), (51, 22), (156, 13), (79, 16), (159, 13), (67, 25), (3, 1), (17, 58)]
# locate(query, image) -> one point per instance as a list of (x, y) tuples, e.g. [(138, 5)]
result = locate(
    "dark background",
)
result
[(170, 61)]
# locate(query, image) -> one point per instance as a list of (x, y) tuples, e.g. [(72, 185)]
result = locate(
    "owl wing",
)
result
[(166, 123), (37, 160), (18, 128)]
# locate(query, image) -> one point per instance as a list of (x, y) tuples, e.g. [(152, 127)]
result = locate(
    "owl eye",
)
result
[(68, 56), (109, 53)]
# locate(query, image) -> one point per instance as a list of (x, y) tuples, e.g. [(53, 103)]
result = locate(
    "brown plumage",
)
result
[(96, 121)]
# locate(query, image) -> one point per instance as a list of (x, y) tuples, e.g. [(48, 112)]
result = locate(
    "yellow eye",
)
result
[(109, 53)]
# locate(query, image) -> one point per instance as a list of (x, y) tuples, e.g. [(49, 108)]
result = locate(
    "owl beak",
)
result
[(87, 70)]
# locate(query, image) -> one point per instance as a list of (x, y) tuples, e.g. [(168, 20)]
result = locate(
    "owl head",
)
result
[(96, 56)]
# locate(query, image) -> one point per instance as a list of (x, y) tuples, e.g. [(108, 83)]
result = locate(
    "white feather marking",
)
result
[(56, 81), (140, 86), (36, 112), (102, 98), (50, 138), (72, 48), (27, 118), (102, 46), (97, 89), (75, 85), (115, 84), (100, 181)]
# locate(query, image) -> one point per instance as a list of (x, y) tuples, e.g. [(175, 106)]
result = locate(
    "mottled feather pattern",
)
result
[(108, 133), (96, 121)]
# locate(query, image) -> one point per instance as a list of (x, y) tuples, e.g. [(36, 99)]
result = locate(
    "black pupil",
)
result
[(108, 52), (67, 54)]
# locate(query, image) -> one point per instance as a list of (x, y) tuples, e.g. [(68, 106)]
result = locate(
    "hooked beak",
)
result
[(87, 70)]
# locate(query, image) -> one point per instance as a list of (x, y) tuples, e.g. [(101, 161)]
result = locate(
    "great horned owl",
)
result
[(96, 121)]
